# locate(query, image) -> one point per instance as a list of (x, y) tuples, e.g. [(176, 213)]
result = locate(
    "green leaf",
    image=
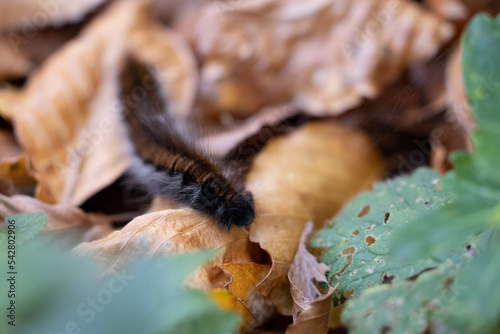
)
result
[(357, 241), (59, 292), (23, 226), (481, 51), (455, 298), (474, 184)]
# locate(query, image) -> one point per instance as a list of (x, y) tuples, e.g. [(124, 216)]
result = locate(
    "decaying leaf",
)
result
[(305, 176), (343, 51), (311, 308), (68, 117)]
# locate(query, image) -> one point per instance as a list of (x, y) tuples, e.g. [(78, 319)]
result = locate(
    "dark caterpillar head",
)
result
[(215, 197)]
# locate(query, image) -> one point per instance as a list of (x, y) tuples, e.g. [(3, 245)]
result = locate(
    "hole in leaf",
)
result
[(364, 211), (349, 250), (469, 250), (428, 202), (349, 293), (349, 261), (369, 240), (355, 232), (386, 217), (385, 330), (387, 279), (447, 283)]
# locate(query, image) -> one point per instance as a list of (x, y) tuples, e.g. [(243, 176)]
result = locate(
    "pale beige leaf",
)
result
[(326, 55)]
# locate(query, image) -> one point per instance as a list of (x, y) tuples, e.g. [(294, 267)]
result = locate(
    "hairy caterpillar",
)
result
[(170, 166)]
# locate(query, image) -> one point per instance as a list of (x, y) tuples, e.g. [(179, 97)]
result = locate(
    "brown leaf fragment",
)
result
[(253, 306), (311, 308), (326, 56), (305, 176)]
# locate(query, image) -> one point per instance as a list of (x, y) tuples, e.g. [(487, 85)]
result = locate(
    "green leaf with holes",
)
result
[(357, 241), (454, 298)]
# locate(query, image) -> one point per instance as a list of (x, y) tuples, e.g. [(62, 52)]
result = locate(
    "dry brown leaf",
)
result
[(252, 305), (327, 55), (68, 117), (172, 231), (306, 176), (61, 217), (311, 306), (30, 16)]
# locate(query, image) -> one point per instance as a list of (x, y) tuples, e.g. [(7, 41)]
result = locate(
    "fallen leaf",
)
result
[(172, 231), (343, 51), (311, 308), (305, 176), (253, 306)]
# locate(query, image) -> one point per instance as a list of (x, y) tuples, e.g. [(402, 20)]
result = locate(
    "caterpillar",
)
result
[(170, 166)]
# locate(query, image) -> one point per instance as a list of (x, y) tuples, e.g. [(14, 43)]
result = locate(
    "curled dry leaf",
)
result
[(172, 231), (68, 118), (311, 307), (343, 51), (29, 16), (61, 217), (305, 176)]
